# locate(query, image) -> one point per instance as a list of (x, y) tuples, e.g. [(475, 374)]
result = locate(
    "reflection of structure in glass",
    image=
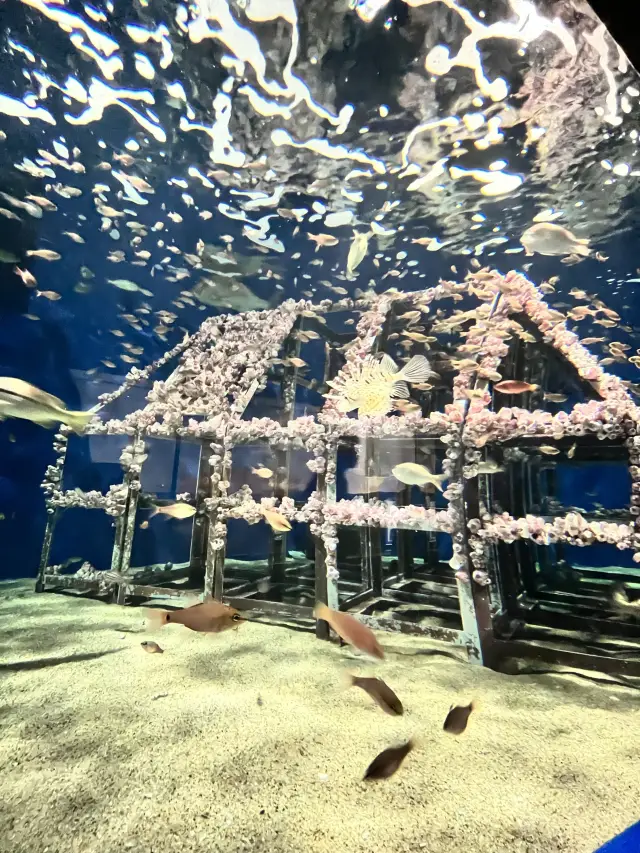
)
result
[(489, 563)]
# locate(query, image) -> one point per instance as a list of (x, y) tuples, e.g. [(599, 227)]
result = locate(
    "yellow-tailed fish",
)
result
[(20, 399), (351, 630), (621, 601), (152, 648)]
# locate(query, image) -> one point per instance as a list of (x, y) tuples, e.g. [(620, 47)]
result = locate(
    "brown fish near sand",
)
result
[(350, 629), (457, 718), (388, 762), (152, 648), (208, 617), (381, 693)]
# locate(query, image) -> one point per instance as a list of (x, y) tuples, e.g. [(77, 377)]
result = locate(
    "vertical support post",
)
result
[(118, 543), (53, 513), (200, 533), (175, 469), (214, 572), (214, 569), (278, 551), (322, 627), (210, 568), (518, 508), (128, 520), (52, 518), (474, 598), (475, 601), (510, 578), (370, 550), (326, 588), (404, 539)]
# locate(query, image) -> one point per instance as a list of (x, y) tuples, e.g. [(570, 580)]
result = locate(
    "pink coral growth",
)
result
[(573, 529), (376, 513)]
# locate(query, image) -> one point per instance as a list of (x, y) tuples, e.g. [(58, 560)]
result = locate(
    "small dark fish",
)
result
[(457, 718), (152, 648), (385, 765), (380, 693)]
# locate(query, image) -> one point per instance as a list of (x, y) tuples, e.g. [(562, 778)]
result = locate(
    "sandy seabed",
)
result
[(250, 741)]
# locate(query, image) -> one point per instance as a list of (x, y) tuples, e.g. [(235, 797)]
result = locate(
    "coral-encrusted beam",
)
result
[(572, 528)]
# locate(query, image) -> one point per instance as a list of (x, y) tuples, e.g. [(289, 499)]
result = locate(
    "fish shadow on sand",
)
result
[(276, 623), (213, 663), (50, 638), (43, 663), (443, 653), (542, 675)]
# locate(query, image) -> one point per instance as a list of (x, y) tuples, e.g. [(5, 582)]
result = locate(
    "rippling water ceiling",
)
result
[(276, 133)]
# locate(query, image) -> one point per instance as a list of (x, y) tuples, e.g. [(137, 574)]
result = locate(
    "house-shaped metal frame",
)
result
[(226, 362)]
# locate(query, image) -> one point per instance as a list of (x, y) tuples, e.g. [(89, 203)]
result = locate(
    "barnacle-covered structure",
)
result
[(496, 563)]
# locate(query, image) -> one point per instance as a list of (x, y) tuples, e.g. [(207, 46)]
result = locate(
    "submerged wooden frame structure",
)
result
[(216, 380)]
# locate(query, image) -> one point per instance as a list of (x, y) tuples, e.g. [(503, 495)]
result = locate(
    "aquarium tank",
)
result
[(319, 370)]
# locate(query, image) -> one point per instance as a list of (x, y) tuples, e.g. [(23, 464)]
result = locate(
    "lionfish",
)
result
[(370, 385)]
